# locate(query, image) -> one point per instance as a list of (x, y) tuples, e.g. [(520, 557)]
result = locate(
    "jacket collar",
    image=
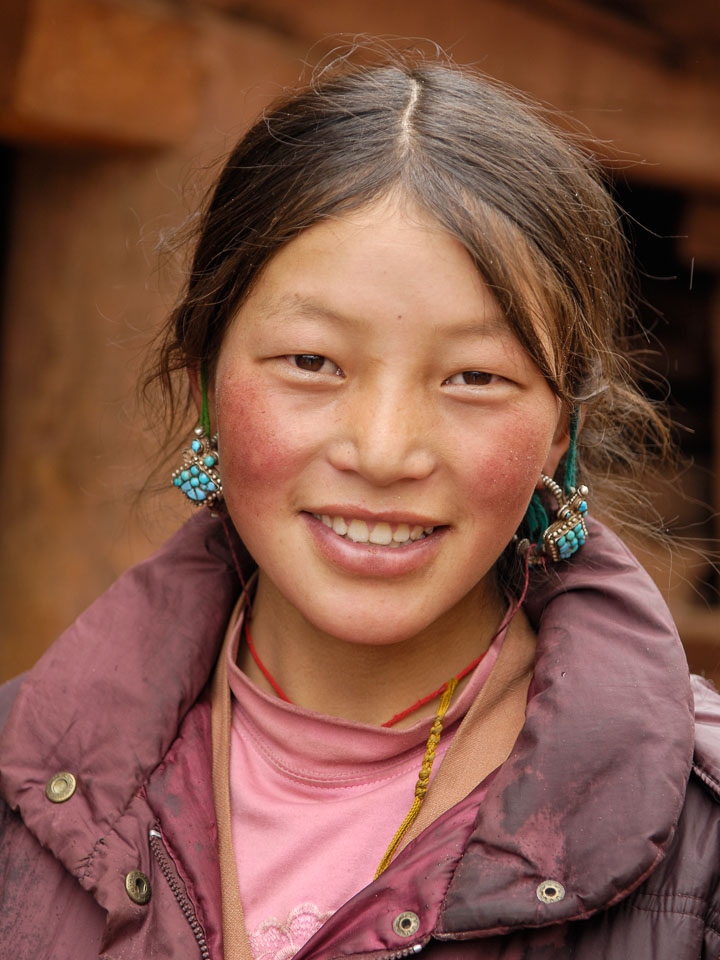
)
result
[(593, 789), (105, 702), (589, 796)]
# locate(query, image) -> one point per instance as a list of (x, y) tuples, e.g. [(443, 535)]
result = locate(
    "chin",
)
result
[(369, 629)]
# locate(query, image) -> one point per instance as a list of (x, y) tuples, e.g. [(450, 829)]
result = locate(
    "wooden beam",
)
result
[(97, 72), (657, 123)]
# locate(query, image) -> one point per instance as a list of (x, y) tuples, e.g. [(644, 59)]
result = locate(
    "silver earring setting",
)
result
[(567, 533), (197, 478)]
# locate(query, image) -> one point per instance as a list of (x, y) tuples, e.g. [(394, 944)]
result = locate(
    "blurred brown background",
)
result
[(111, 111)]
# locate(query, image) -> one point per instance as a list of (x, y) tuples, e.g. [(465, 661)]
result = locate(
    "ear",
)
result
[(193, 373), (558, 447)]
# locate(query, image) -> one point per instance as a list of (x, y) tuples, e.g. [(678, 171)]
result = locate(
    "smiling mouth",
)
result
[(379, 533)]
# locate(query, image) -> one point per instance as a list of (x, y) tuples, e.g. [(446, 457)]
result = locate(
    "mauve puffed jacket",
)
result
[(612, 787)]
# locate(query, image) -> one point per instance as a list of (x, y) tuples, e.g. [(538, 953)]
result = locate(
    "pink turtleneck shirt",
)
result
[(315, 802)]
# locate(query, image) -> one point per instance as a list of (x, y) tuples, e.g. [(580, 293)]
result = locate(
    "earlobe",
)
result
[(561, 538), (565, 437)]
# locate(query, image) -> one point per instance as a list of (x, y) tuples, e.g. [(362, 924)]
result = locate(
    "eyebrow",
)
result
[(305, 307), (491, 323), (494, 323)]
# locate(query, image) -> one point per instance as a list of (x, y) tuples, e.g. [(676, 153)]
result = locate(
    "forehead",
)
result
[(389, 260)]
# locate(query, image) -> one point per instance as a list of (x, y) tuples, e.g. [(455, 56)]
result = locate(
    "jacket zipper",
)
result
[(174, 883)]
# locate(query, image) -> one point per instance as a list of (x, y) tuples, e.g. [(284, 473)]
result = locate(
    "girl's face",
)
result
[(381, 428)]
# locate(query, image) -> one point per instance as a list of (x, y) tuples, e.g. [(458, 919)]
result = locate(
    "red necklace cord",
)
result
[(265, 672), (389, 723), (512, 610), (436, 693)]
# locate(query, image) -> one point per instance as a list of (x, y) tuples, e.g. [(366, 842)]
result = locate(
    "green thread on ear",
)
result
[(571, 455), (536, 519), (204, 411)]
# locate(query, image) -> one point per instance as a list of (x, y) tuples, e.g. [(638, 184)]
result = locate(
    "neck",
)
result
[(365, 682)]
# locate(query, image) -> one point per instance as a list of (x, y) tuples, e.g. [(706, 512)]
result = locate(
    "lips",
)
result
[(384, 533), (365, 557)]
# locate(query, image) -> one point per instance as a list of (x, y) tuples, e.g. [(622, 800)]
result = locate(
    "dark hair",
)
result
[(522, 197)]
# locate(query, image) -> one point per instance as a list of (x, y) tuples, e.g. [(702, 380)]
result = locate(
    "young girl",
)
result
[(392, 690)]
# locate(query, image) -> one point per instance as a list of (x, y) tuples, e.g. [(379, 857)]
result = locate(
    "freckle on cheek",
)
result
[(507, 477), (253, 445)]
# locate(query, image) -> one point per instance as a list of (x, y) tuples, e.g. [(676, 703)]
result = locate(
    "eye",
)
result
[(313, 363), (472, 378)]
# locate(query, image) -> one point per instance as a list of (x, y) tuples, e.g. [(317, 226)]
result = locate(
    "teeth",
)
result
[(358, 531), (381, 534)]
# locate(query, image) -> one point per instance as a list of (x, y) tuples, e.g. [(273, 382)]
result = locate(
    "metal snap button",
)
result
[(550, 891), (406, 924), (60, 787), (138, 887)]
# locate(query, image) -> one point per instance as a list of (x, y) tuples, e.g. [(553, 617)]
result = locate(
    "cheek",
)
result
[(509, 465), (258, 444)]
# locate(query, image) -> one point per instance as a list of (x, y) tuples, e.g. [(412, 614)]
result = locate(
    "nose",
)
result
[(384, 436)]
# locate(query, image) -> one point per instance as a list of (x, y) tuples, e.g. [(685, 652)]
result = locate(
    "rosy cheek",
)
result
[(257, 444), (510, 466)]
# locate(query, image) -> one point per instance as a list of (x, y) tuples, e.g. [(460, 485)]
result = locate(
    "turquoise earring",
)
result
[(561, 538), (198, 477), (569, 532)]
